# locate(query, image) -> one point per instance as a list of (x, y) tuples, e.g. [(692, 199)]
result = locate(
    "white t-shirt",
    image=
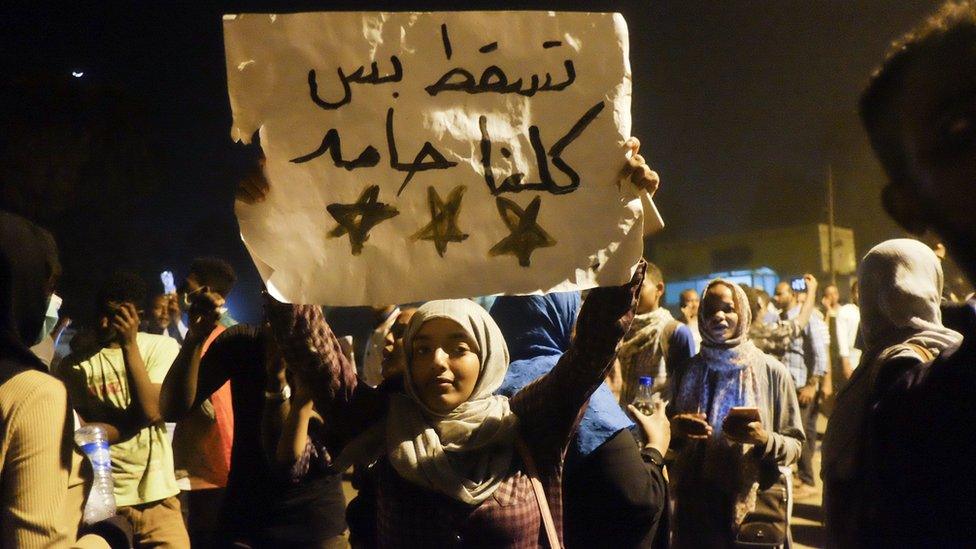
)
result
[(848, 321)]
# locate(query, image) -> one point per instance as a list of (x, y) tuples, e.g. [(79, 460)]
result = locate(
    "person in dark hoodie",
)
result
[(615, 493)]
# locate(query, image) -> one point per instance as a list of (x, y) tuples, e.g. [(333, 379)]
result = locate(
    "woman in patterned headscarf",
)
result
[(722, 459)]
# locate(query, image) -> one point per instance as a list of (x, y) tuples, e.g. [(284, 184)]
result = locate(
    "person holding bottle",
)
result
[(614, 490), (115, 383), (44, 481)]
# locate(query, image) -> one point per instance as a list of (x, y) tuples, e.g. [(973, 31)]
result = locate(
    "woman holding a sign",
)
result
[(738, 420), (458, 464)]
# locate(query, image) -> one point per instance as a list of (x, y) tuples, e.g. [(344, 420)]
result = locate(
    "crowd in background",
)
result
[(563, 419)]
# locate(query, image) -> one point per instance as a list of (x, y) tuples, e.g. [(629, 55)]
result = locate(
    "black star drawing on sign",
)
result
[(526, 235), (358, 218), (443, 226)]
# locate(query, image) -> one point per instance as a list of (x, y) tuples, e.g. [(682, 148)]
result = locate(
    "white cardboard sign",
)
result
[(415, 156)]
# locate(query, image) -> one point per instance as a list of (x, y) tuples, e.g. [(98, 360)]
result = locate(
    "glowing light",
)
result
[(77, 74)]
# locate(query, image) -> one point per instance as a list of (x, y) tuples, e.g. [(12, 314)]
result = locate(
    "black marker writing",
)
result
[(514, 182), (526, 235), (437, 160), (333, 145), (356, 77), (446, 40), (359, 218), (443, 226), (494, 80)]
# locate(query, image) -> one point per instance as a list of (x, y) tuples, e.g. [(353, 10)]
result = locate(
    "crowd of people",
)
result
[(514, 421)]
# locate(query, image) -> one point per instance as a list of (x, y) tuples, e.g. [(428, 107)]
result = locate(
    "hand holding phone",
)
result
[(744, 425), (799, 285)]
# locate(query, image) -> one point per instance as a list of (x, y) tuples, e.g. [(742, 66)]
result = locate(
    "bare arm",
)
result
[(143, 393), (615, 379), (846, 368), (179, 390), (803, 318), (313, 354), (277, 407), (114, 422), (112, 433), (294, 432)]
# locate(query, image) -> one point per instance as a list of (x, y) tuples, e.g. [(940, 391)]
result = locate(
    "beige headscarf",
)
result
[(467, 452), (642, 350), (900, 294)]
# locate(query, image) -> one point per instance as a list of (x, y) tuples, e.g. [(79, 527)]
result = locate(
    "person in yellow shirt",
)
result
[(116, 383)]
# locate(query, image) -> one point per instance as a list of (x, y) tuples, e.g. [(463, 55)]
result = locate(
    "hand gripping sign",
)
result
[(414, 156)]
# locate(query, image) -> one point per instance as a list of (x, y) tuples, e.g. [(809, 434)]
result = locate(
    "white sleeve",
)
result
[(843, 336), (373, 360)]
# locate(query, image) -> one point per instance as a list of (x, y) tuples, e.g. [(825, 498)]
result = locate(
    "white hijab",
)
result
[(900, 294), (467, 452)]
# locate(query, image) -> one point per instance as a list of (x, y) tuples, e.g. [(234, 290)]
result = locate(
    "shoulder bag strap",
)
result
[(540, 494), (923, 352)]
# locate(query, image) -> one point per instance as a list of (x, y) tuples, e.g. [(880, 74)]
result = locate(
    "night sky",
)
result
[(741, 105)]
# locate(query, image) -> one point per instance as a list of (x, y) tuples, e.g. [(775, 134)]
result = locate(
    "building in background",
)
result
[(757, 258)]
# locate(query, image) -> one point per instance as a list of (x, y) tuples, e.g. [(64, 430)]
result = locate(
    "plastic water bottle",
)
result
[(93, 441), (644, 401)]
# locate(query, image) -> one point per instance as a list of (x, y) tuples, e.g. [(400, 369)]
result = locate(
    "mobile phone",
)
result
[(746, 414), (169, 287), (798, 285)]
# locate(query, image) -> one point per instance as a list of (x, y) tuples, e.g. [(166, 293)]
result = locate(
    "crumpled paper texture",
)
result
[(594, 233)]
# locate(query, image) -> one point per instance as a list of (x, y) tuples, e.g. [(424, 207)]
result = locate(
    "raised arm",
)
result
[(182, 388), (549, 408), (313, 353), (286, 434), (803, 318), (143, 406)]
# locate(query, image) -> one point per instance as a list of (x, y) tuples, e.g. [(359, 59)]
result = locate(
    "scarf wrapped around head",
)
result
[(900, 283), (729, 361), (467, 452), (900, 294), (538, 330), (723, 376), (641, 351)]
